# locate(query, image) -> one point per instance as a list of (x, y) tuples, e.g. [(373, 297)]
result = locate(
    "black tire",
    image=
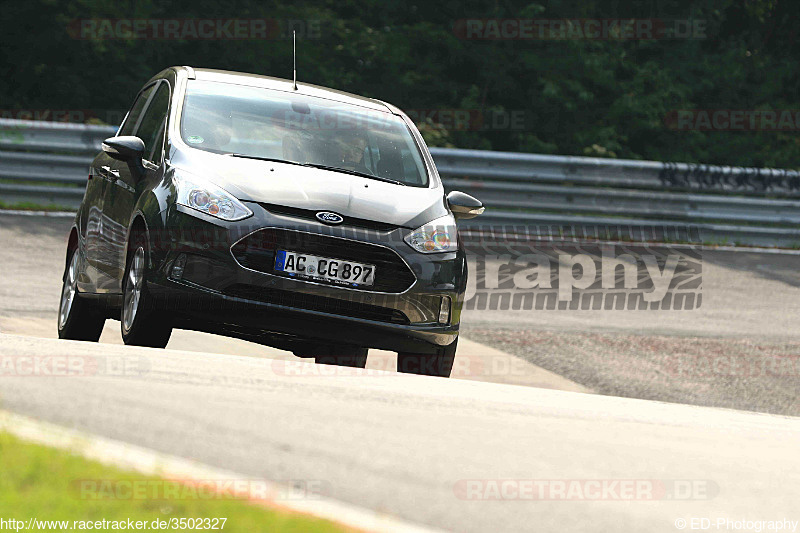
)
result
[(78, 319), (342, 355), (140, 323), (439, 364)]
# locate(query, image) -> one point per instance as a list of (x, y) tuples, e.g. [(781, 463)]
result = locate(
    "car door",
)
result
[(91, 219), (104, 229), (123, 192)]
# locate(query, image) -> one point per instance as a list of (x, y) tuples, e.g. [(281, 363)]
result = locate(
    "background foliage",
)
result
[(579, 97)]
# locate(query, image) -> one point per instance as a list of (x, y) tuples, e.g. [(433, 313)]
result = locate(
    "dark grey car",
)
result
[(300, 217)]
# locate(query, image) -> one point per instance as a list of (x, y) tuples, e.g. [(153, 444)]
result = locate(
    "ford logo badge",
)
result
[(327, 217)]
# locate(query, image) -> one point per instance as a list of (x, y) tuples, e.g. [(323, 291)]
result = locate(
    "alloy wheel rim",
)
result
[(133, 288), (69, 290)]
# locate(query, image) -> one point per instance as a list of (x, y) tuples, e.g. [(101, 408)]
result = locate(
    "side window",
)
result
[(157, 153), (151, 129), (135, 112)]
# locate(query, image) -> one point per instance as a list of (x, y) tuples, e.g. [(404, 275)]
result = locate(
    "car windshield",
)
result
[(262, 123)]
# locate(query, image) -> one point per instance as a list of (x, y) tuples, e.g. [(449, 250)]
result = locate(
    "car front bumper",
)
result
[(197, 275)]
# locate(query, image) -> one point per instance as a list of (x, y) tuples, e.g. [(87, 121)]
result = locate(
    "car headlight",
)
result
[(440, 235), (204, 196)]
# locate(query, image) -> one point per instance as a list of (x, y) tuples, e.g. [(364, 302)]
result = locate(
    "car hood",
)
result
[(317, 189)]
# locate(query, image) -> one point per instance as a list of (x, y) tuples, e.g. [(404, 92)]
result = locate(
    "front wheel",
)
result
[(78, 320), (439, 364), (141, 324)]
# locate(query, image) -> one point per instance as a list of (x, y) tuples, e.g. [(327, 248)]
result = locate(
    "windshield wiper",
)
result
[(320, 166), (273, 159), (353, 172)]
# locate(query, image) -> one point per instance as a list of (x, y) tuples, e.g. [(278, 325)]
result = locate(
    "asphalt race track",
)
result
[(408, 445), (458, 454)]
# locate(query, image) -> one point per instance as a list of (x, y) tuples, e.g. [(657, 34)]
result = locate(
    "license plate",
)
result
[(324, 268)]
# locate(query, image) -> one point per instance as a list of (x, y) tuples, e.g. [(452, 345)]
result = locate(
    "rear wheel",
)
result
[(342, 355), (77, 319), (141, 324), (439, 364)]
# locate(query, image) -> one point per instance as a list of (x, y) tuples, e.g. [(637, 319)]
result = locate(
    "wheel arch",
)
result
[(149, 217), (73, 243), (138, 226)]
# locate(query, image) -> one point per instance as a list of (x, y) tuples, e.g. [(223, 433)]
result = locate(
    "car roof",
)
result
[(280, 84)]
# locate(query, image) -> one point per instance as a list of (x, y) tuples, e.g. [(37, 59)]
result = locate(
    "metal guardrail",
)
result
[(557, 194), (52, 136), (47, 163), (591, 171)]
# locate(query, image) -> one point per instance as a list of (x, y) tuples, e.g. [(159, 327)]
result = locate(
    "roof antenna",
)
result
[(294, 56)]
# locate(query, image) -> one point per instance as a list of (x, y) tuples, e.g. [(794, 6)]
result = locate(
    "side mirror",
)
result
[(128, 149), (125, 148), (463, 205)]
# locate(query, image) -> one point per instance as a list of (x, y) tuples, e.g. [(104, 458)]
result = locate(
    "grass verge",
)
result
[(32, 206), (45, 483)]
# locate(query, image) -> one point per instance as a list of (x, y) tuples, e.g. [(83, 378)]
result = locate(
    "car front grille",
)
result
[(257, 252), (313, 302), (311, 214)]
